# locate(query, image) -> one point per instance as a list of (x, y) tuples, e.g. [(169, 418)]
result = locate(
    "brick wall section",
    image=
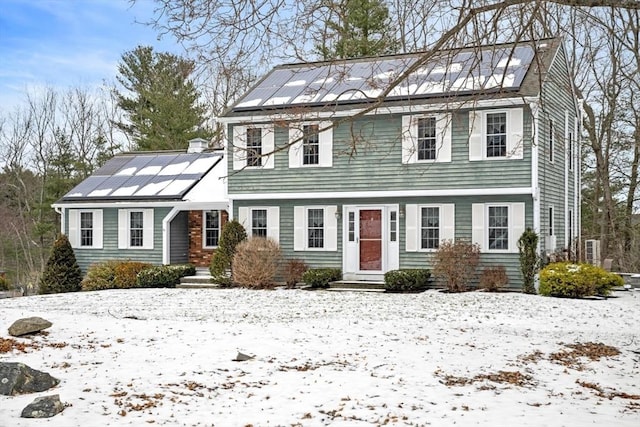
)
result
[(199, 256)]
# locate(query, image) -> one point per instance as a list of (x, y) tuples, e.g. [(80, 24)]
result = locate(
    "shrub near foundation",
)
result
[(570, 280), (294, 269), (406, 280), (164, 276), (321, 277), (256, 262), (494, 278)]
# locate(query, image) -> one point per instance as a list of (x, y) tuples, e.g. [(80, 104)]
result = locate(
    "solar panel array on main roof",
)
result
[(153, 175), (491, 68)]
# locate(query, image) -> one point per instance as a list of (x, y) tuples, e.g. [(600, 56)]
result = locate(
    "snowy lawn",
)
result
[(164, 357)]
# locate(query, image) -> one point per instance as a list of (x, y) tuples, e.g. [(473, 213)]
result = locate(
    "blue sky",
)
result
[(68, 43)]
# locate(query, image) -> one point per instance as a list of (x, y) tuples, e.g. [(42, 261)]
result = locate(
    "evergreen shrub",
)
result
[(321, 277), (100, 276), (407, 280), (61, 273), (256, 262), (529, 259), (164, 276), (221, 262), (126, 273), (571, 280)]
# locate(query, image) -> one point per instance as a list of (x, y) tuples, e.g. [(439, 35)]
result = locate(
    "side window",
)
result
[(551, 140), (86, 229), (211, 228)]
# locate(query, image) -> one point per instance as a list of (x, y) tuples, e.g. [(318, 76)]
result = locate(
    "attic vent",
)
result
[(197, 145), (592, 251)]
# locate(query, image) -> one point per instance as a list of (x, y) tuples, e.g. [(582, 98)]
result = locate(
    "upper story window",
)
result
[(551, 141), (135, 229), (310, 144), (496, 134), (427, 147), (253, 146), (211, 228), (86, 229), (570, 150), (426, 138)]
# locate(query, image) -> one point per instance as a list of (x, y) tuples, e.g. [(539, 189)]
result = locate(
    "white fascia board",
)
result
[(182, 205), (385, 194), (401, 109)]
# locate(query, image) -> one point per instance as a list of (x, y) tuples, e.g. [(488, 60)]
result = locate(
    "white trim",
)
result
[(568, 132), (166, 236), (183, 205), (410, 138), (204, 228), (403, 109), (514, 149), (391, 193), (535, 165), (148, 228), (480, 218), (446, 225), (325, 144)]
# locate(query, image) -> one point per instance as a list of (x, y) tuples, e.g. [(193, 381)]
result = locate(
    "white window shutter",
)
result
[(273, 223), (477, 227), (411, 227), (515, 142), (148, 231), (295, 145), (330, 228), (123, 228), (268, 147), (443, 135), (239, 147), (243, 219), (74, 228), (448, 222), (97, 229), (299, 229), (325, 142), (517, 220), (409, 134), (475, 135)]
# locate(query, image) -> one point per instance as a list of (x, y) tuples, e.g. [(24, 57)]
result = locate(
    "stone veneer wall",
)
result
[(199, 256)]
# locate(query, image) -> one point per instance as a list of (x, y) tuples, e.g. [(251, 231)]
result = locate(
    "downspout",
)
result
[(566, 174), (534, 105)]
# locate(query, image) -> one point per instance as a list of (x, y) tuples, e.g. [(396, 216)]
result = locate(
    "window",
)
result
[(393, 226), (427, 138), (430, 228), (570, 150), (498, 227), (259, 222), (352, 226), (211, 228), (254, 147), (570, 230), (310, 145), (496, 135), (551, 140), (551, 220), (315, 228), (86, 229), (136, 229)]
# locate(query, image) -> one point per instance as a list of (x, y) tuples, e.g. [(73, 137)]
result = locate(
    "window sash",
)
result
[(86, 229), (427, 148), (259, 222), (212, 228), (496, 134), (310, 145), (430, 227), (498, 227), (254, 147), (315, 228), (136, 229)]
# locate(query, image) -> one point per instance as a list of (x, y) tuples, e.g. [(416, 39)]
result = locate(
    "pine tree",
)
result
[(160, 100), (362, 29), (62, 273)]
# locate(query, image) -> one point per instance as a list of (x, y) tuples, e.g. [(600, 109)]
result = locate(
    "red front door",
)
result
[(371, 239)]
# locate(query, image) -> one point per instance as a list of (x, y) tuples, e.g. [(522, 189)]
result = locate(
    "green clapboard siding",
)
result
[(110, 250)]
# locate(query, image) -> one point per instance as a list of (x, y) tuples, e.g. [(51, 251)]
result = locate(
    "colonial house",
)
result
[(370, 164), (163, 207)]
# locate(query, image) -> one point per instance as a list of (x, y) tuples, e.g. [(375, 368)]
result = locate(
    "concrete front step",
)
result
[(356, 285), (202, 279)]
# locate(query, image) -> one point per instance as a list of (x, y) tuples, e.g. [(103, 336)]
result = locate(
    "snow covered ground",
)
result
[(164, 357)]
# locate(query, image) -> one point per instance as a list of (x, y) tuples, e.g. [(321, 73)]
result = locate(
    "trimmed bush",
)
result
[(164, 276), (293, 271), (456, 263), (256, 262), (529, 260), (494, 278), (62, 273), (406, 280), (570, 280), (126, 273), (321, 277), (221, 262), (100, 276), (4, 283)]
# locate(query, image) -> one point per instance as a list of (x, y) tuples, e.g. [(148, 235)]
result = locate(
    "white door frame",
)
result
[(351, 241)]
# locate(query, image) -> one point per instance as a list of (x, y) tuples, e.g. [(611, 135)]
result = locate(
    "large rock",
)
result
[(28, 325), (43, 407), (18, 378)]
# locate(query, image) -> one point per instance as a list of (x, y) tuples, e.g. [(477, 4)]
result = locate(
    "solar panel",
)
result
[(354, 80)]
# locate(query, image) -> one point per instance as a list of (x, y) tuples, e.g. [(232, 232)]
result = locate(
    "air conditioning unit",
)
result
[(592, 251), (550, 244)]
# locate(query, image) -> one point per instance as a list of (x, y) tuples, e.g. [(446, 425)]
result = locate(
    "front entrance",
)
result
[(370, 241)]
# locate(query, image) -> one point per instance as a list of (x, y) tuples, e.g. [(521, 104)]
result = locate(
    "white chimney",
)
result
[(197, 145)]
